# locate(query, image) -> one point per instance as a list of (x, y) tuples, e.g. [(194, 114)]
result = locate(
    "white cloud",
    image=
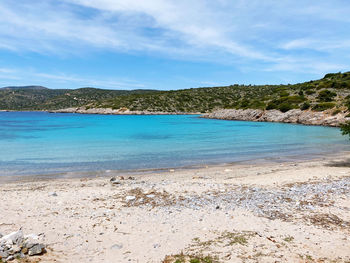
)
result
[(266, 34), (111, 83), (6, 70), (182, 28), (23, 76), (317, 44)]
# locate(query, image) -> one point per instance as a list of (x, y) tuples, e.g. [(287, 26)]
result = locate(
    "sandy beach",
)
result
[(264, 212)]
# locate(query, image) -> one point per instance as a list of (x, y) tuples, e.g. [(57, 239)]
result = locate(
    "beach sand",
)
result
[(263, 212)]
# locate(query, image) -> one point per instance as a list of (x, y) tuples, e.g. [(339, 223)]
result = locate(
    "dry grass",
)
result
[(188, 258), (328, 221), (150, 198)]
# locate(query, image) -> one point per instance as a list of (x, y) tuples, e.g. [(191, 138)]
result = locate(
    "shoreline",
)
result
[(154, 171), (123, 111), (294, 116), (289, 212)]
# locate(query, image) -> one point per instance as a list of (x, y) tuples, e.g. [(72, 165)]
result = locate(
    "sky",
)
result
[(178, 44)]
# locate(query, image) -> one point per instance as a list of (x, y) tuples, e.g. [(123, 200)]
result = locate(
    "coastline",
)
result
[(296, 116), (123, 111), (290, 212), (306, 158)]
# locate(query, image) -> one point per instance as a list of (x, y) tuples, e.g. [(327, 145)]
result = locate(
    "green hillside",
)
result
[(333, 91), (330, 92), (34, 98)]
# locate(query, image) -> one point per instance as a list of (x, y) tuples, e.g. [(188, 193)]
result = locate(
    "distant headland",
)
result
[(320, 102)]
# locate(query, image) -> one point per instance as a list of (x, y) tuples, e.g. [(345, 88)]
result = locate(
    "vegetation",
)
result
[(41, 98), (345, 128), (288, 239), (330, 93), (323, 106), (188, 258)]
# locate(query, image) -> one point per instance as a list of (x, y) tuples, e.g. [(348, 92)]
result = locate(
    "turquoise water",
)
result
[(44, 143)]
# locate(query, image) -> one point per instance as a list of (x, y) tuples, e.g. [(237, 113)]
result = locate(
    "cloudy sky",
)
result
[(168, 44)]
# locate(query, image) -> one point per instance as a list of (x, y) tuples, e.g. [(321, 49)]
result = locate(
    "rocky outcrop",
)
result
[(308, 117), (16, 245), (122, 111), (293, 116)]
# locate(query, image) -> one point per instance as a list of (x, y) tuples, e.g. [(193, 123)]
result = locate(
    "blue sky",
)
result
[(163, 44)]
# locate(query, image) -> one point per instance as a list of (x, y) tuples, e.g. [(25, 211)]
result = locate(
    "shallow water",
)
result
[(44, 143)]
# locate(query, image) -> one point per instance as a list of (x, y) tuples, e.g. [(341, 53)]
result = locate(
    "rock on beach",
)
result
[(16, 245)]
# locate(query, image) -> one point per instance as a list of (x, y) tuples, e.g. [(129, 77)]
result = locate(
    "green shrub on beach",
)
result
[(345, 128)]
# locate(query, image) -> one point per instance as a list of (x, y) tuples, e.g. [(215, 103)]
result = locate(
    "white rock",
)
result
[(31, 236), (36, 250), (130, 198), (117, 246), (114, 181), (13, 238)]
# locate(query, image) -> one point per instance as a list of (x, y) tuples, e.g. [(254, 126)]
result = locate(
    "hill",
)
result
[(330, 92), (40, 98), (24, 88)]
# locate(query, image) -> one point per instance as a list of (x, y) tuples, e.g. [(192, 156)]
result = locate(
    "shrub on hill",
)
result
[(334, 89), (306, 105), (323, 106), (326, 96)]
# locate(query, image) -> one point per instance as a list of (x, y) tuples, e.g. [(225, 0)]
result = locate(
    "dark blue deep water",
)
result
[(43, 143)]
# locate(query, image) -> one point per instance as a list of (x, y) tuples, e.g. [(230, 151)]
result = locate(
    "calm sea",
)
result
[(43, 143)]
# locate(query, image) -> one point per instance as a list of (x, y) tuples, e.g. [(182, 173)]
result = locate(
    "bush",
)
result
[(347, 102), (256, 104), (310, 92), (244, 104), (272, 106), (326, 96), (323, 106), (284, 93), (305, 106), (289, 100), (345, 128), (284, 107), (336, 112), (332, 75)]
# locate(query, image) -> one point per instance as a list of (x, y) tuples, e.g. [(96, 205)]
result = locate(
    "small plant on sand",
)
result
[(189, 258), (288, 239), (308, 257), (237, 238), (242, 240)]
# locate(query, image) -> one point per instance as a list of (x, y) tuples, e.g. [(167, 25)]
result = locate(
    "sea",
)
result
[(41, 143)]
